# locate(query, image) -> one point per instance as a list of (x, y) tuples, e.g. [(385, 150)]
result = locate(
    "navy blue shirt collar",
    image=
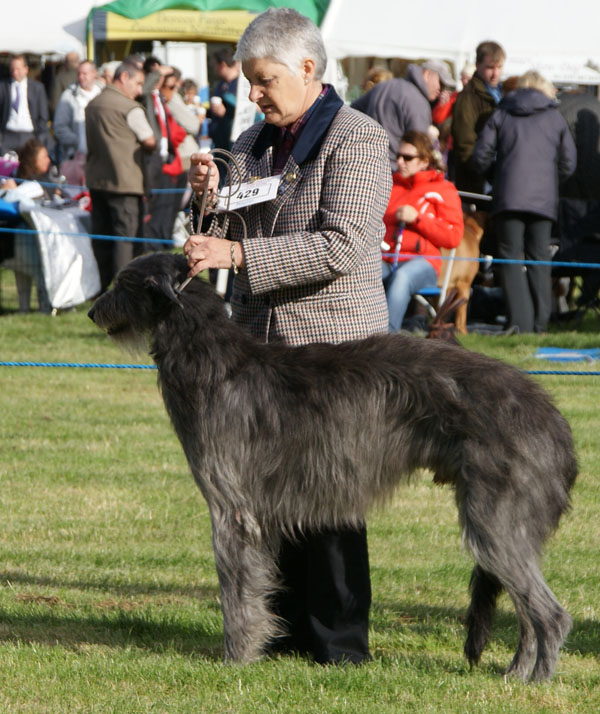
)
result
[(322, 113)]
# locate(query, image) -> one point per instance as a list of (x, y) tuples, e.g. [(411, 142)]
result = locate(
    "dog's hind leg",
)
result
[(543, 622), (246, 571), (520, 667), (549, 620), (485, 589)]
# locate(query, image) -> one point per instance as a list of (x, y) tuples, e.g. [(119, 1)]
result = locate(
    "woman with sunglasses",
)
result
[(424, 214)]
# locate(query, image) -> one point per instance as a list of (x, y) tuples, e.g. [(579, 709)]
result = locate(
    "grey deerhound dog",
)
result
[(280, 438)]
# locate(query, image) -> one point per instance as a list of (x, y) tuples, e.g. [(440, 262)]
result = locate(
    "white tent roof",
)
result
[(559, 38), (43, 27)]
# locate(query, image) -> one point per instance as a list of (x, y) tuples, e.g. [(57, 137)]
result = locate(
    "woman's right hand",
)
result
[(200, 166), (407, 214)]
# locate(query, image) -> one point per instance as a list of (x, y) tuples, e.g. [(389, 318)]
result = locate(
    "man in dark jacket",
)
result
[(579, 206), (473, 107), (223, 99), (582, 114), (23, 108), (402, 105)]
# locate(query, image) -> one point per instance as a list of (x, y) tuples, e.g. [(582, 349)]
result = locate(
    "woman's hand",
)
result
[(408, 214), (203, 252), (201, 164)]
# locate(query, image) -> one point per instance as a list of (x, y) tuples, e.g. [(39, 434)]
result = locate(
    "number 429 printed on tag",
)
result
[(250, 193)]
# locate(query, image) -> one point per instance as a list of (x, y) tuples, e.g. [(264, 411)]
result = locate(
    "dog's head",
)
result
[(143, 294)]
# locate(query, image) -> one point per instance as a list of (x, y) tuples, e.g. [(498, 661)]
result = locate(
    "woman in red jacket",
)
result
[(424, 214)]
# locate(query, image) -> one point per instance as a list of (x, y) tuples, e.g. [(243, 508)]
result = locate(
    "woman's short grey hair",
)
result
[(284, 36), (534, 80)]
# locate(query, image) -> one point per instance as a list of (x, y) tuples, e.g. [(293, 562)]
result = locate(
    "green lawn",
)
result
[(108, 594)]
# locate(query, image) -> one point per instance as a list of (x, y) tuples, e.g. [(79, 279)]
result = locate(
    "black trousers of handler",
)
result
[(327, 595), (528, 293), (115, 214)]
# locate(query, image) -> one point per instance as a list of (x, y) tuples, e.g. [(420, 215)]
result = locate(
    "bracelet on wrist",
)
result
[(234, 267)]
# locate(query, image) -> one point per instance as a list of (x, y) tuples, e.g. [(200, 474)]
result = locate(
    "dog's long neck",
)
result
[(196, 348)]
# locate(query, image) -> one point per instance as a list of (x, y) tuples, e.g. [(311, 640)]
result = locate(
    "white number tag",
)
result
[(250, 193)]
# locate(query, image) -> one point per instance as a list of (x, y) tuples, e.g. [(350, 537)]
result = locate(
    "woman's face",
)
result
[(282, 97), (42, 162), (409, 161), (168, 88)]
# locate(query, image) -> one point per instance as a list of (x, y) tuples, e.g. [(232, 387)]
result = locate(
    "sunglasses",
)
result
[(408, 157)]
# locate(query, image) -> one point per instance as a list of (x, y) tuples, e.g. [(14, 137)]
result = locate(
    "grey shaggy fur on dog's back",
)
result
[(282, 437)]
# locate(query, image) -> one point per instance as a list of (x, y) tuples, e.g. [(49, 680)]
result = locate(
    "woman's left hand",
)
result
[(408, 214), (203, 252)]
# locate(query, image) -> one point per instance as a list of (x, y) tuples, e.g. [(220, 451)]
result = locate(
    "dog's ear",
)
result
[(161, 283)]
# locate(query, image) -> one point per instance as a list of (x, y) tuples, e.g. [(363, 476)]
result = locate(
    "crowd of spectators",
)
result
[(125, 133), (507, 141)]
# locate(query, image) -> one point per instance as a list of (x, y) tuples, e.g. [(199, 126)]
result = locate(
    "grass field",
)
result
[(108, 594)]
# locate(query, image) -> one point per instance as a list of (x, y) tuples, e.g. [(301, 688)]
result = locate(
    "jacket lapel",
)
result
[(290, 179), (305, 150)]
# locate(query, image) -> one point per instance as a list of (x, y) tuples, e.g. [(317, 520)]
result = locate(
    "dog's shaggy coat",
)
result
[(281, 437)]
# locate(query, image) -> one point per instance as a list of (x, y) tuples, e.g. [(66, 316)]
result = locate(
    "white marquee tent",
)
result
[(45, 28), (559, 38)]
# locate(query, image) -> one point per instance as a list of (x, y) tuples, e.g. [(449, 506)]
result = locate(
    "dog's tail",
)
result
[(485, 589)]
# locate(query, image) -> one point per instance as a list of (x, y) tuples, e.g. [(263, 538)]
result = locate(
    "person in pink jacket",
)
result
[(424, 214)]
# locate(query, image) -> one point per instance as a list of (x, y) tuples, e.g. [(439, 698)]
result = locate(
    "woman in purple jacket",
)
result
[(529, 144)]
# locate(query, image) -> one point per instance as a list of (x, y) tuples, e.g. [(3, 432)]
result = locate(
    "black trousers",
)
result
[(119, 215), (528, 293), (327, 595)]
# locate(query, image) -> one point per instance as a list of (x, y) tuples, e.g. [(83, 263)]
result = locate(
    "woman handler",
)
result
[(308, 271)]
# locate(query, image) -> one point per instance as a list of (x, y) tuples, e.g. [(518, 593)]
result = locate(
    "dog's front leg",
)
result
[(247, 576)]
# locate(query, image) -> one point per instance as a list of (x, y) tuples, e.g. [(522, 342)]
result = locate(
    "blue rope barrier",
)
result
[(499, 261), (95, 236), (87, 365), (100, 365), (169, 241), (77, 187), (562, 372)]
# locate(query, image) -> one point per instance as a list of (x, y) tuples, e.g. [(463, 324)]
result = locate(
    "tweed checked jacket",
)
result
[(313, 256)]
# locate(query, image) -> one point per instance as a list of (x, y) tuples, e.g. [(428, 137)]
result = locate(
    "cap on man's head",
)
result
[(442, 70)]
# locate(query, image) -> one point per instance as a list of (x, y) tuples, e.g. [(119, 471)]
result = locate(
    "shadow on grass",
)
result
[(117, 630), (203, 592), (120, 623), (423, 621), (159, 632)]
